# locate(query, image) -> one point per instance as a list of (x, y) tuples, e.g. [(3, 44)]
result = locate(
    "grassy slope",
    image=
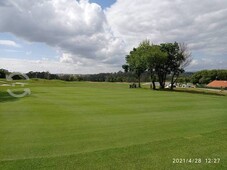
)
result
[(108, 126)]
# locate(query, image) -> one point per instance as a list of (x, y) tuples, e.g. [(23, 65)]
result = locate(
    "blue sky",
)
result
[(25, 49), (80, 37), (104, 3)]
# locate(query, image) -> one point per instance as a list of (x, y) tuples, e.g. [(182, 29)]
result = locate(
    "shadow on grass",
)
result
[(5, 97), (195, 91), (190, 90)]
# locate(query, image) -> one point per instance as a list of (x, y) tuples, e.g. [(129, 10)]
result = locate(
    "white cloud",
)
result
[(9, 43), (66, 58), (202, 25), (24, 66), (78, 28), (87, 36)]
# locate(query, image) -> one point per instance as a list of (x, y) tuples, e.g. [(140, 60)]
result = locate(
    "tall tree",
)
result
[(155, 58), (160, 60), (178, 58), (136, 63)]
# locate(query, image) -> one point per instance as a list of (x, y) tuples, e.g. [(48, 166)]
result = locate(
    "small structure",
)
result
[(218, 84)]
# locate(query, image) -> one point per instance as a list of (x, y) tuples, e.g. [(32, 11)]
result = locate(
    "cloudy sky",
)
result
[(92, 36)]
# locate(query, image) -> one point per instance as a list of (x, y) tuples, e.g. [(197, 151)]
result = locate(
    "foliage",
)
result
[(178, 58), (207, 76), (3, 73), (137, 62), (155, 59), (160, 60)]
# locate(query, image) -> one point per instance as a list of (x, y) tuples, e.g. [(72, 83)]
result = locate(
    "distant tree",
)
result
[(125, 67), (206, 76), (3, 73)]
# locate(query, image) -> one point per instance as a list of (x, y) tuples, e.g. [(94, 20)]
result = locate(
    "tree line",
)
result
[(166, 59), (207, 76), (100, 77), (201, 77)]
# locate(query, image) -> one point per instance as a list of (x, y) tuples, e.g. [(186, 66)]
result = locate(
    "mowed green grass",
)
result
[(82, 125)]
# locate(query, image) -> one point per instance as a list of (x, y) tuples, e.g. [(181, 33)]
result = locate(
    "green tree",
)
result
[(136, 63), (160, 60), (155, 58), (206, 76), (178, 57), (125, 67), (3, 73)]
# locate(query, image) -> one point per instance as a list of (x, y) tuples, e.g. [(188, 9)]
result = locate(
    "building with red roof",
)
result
[(218, 83)]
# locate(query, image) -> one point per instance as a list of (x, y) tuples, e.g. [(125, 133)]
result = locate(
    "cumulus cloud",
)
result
[(9, 43), (207, 63), (77, 28), (200, 24), (88, 36), (24, 66)]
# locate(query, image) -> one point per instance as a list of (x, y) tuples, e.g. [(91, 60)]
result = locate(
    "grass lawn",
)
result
[(78, 125)]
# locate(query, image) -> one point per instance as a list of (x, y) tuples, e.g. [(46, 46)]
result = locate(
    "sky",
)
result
[(85, 37)]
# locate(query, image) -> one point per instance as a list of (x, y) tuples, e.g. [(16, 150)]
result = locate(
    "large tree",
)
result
[(178, 57), (155, 59), (136, 63), (160, 60)]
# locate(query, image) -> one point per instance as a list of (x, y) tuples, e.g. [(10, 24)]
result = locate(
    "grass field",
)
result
[(80, 125)]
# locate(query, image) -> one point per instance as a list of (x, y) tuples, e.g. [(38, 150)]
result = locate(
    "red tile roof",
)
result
[(218, 83)]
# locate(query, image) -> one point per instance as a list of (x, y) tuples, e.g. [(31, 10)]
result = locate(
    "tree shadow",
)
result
[(6, 97), (193, 91)]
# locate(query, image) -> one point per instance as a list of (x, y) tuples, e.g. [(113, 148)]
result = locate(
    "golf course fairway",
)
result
[(85, 125)]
